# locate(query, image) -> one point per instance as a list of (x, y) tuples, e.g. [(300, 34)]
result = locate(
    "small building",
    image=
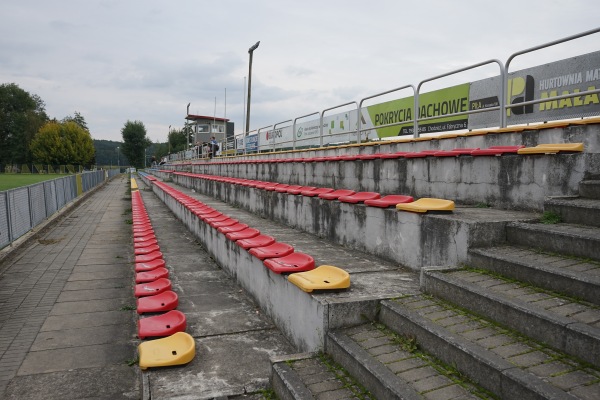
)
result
[(204, 127)]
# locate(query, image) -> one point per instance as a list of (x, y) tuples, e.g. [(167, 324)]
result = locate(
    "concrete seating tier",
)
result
[(455, 152), (374, 229), (315, 312), (509, 181)]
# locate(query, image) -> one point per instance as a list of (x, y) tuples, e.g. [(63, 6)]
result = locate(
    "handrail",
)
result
[(259, 129), (329, 109), (275, 128), (532, 49), (377, 95), (501, 97), (501, 108), (294, 126)]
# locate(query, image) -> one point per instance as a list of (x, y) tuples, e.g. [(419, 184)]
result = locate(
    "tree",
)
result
[(177, 140), (63, 143), (21, 116), (78, 119), (135, 142)]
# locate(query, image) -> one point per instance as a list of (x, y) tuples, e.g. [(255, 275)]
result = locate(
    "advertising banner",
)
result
[(564, 77), (337, 128), (445, 101)]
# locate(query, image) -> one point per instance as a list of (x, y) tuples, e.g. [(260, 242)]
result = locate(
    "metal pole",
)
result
[(244, 129), (250, 51)]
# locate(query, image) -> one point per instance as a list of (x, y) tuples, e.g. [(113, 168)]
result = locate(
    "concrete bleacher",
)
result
[(506, 182), (498, 201)]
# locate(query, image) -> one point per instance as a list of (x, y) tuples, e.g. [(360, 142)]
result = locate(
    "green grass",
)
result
[(550, 217), (11, 181)]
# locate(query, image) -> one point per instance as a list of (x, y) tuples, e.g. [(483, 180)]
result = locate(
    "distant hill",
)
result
[(106, 153)]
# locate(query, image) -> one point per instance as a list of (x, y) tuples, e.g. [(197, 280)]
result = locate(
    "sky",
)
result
[(115, 61)]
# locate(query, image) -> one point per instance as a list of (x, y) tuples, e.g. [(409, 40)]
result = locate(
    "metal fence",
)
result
[(257, 142), (22, 209)]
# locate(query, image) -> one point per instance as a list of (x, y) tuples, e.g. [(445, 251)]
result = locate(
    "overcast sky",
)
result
[(120, 60)]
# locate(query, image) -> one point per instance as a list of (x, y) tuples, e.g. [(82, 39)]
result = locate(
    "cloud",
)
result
[(145, 60)]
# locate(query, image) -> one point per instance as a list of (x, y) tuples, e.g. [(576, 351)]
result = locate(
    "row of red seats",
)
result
[(153, 288), (277, 256), (372, 199), (476, 151)]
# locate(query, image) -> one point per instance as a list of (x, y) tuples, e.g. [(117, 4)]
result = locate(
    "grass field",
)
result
[(11, 181)]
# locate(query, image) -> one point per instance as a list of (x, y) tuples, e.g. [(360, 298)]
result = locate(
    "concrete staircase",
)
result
[(520, 321)]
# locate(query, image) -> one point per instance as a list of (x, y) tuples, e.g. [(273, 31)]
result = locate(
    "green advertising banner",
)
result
[(440, 102)]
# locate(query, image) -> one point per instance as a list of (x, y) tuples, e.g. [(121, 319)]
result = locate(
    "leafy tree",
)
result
[(177, 140), (63, 143), (21, 116), (78, 119), (135, 142)]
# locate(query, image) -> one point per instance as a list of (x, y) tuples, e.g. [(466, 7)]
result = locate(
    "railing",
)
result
[(24, 208), (503, 106)]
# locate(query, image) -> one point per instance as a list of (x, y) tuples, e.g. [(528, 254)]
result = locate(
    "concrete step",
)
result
[(568, 239), (565, 324), (590, 189), (369, 361), (572, 276), (309, 376), (575, 210), (393, 368), (502, 361)]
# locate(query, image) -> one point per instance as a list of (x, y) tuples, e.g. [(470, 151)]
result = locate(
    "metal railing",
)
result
[(24, 208), (502, 108)]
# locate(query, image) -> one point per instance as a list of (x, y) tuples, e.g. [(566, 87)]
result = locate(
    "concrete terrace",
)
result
[(509, 303)]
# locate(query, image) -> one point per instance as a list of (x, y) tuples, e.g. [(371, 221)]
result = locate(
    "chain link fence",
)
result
[(22, 209)]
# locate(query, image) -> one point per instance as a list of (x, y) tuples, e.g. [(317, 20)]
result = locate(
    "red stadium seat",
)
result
[(151, 288), (256, 241), (162, 302), (244, 234), (140, 249), (316, 192), (148, 257), (150, 265), (232, 228), (389, 200), (300, 189), (152, 275), (359, 197), (295, 262), (162, 325), (274, 250), (496, 150), (455, 152), (336, 194)]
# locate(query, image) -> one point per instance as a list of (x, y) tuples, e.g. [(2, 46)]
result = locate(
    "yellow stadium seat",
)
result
[(451, 135), (478, 132), (585, 121), (176, 349), (134, 185), (552, 148), (325, 277), (548, 125), (427, 204)]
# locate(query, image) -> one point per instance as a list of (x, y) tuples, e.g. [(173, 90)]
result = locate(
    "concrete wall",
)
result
[(509, 182), (303, 317), (410, 239)]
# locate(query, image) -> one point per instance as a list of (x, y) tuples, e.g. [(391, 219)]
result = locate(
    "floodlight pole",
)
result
[(250, 51)]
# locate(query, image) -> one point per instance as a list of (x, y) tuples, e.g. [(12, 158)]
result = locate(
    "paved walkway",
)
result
[(64, 333), (67, 319)]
